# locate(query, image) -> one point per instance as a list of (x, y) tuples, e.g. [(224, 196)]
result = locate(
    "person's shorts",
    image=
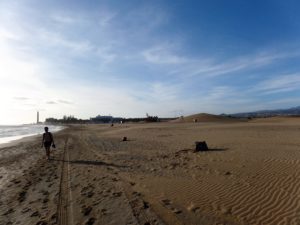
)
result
[(47, 144)]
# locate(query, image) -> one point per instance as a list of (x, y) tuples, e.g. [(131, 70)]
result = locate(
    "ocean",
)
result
[(11, 133)]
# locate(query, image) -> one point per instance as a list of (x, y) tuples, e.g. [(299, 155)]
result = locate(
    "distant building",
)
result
[(104, 119)]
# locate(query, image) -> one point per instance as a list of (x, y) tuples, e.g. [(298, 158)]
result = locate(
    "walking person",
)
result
[(48, 141)]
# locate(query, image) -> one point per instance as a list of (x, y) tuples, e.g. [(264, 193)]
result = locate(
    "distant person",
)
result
[(48, 141)]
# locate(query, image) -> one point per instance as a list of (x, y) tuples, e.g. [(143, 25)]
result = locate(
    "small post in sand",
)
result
[(201, 146)]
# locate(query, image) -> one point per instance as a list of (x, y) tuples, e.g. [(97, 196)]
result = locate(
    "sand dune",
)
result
[(204, 117), (277, 119), (249, 176)]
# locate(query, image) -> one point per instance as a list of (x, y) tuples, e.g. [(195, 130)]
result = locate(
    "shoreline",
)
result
[(14, 140), (29, 138)]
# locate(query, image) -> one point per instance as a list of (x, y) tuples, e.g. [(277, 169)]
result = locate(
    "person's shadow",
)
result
[(96, 163), (88, 162)]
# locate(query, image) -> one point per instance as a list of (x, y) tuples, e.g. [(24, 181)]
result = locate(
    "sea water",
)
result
[(11, 133)]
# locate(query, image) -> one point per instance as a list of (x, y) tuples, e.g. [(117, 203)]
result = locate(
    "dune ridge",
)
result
[(205, 117)]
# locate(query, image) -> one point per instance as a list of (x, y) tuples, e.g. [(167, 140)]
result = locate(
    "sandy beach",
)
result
[(250, 175)]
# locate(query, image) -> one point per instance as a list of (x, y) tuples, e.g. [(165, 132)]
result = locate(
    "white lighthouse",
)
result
[(37, 117)]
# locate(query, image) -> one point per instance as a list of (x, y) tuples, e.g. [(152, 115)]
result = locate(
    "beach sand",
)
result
[(250, 175)]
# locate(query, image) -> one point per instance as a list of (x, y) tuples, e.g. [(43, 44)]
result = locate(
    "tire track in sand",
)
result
[(64, 207)]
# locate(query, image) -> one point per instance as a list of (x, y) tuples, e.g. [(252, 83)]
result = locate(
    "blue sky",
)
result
[(129, 58)]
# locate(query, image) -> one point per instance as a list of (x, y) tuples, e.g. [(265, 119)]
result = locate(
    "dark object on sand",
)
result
[(124, 139), (53, 146), (201, 146)]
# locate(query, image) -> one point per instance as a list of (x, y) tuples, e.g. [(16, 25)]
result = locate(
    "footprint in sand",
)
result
[(87, 191), (44, 192), (117, 194), (25, 210), (36, 213), (115, 179), (225, 211), (54, 217), (167, 204), (42, 223), (22, 196), (86, 210), (193, 208), (136, 193), (145, 205), (90, 221), (27, 185), (15, 181), (8, 212), (103, 212), (176, 211)]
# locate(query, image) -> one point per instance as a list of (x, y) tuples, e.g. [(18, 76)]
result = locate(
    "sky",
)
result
[(162, 57)]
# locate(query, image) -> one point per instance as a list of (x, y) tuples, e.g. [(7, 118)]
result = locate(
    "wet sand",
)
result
[(250, 175)]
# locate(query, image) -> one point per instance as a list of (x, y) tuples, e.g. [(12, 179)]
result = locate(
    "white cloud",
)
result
[(106, 17), (6, 35), (65, 101), (64, 18), (146, 18), (280, 83), (54, 39), (106, 55), (21, 98), (162, 55), (161, 92), (51, 102), (210, 67)]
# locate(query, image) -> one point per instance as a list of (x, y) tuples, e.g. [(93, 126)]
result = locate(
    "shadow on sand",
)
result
[(89, 162), (215, 149), (97, 163), (207, 150)]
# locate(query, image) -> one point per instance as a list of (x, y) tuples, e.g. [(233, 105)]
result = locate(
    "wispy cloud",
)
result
[(51, 102), (6, 35), (212, 67), (57, 40), (162, 55), (21, 98), (106, 17), (280, 83), (150, 16), (65, 102), (163, 91), (64, 18)]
